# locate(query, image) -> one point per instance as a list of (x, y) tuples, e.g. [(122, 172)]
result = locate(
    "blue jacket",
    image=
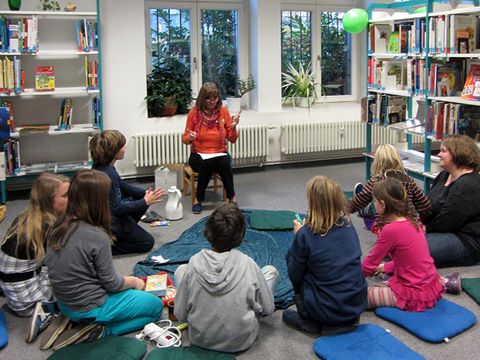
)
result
[(125, 199), (327, 270)]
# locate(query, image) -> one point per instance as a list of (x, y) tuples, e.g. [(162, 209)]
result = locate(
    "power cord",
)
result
[(164, 336)]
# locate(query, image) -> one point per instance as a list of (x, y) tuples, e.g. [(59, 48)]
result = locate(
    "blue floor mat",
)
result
[(265, 247)]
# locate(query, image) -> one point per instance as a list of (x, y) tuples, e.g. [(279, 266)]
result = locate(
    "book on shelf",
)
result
[(40, 128), (4, 124), (381, 37), (471, 88), (157, 284), (65, 116), (44, 78), (466, 27), (393, 45), (469, 122)]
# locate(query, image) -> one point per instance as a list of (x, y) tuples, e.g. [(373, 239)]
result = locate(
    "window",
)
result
[(315, 35), (202, 37)]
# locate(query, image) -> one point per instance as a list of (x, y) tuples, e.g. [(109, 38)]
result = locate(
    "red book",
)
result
[(471, 89)]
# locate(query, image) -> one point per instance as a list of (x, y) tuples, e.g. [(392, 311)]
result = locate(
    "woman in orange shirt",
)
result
[(209, 127)]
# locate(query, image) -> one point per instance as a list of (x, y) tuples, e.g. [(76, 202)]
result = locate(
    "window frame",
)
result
[(316, 11), (196, 8)]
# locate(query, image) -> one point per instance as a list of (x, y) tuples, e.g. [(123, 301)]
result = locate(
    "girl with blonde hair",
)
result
[(23, 279), (324, 263), (387, 163)]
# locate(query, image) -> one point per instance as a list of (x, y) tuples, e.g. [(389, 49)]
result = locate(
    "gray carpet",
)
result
[(278, 188)]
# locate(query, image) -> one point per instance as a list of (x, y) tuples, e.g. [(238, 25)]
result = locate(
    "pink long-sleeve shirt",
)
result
[(415, 280)]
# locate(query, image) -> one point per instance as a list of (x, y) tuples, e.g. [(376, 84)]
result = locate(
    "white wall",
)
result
[(124, 83)]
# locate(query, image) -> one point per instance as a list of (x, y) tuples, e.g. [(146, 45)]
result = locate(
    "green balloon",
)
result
[(355, 20), (420, 10)]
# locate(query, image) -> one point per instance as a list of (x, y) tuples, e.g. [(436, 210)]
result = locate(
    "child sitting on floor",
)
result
[(414, 284), (387, 163), (23, 279), (324, 263), (222, 292), (81, 271)]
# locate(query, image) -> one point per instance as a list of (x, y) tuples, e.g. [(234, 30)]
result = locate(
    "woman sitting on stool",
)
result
[(453, 230), (208, 128)]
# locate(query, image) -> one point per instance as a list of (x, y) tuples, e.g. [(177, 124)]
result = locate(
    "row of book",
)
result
[(87, 35), (91, 74), (448, 34), (444, 119), (386, 109), (12, 76), (19, 36)]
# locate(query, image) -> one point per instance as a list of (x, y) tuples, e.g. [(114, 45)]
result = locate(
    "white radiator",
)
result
[(152, 149), (303, 138)]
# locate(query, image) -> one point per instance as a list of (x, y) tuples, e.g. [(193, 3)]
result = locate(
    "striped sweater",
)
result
[(418, 201)]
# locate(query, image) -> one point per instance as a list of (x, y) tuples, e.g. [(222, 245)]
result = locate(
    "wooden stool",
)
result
[(189, 179)]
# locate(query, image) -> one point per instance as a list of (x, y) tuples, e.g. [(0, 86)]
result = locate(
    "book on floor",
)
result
[(157, 284)]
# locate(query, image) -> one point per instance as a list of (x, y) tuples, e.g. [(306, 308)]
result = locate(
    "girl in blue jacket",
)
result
[(324, 263)]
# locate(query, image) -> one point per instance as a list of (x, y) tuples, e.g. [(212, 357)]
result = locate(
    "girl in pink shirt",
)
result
[(414, 284)]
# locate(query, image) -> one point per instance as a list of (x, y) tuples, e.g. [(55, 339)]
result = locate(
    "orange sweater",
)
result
[(212, 140)]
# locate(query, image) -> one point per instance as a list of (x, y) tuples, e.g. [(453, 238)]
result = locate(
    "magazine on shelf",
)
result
[(44, 78)]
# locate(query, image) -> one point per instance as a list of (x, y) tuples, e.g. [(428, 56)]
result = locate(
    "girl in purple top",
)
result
[(414, 284)]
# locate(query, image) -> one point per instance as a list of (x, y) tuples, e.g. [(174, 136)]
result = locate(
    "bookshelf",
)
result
[(51, 129), (424, 59)]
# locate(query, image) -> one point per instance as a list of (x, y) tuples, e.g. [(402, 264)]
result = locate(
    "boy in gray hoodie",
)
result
[(222, 292)]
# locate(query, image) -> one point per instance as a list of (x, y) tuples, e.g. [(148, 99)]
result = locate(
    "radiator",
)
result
[(303, 138), (152, 149)]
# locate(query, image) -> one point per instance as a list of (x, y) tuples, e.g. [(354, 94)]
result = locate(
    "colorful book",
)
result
[(157, 284), (471, 89), (44, 78)]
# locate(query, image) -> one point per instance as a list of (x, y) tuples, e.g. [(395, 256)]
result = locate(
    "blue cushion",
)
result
[(3, 330), (437, 324), (367, 341)]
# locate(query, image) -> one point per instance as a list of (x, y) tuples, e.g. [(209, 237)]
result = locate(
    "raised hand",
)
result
[(235, 120), (192, 135), (154, 196)]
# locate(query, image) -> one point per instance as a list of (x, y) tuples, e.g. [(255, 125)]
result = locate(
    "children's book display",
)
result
[(430, 63), (48, 62)]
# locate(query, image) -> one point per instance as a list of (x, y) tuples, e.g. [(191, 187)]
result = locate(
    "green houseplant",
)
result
[(168, 89), (242, 87), (298, 84)]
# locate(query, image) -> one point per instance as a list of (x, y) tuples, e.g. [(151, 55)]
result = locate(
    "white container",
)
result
[(174, 207), (234, 104)]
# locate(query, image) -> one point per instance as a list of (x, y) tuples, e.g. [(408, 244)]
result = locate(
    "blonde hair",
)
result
[(33, 222), (386, 158), (326, 204)]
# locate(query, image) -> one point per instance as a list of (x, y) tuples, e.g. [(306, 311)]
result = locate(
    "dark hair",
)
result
[(209, 90), (464, 150), (105, 145), (225, 228), (87, 201), (392, 192)]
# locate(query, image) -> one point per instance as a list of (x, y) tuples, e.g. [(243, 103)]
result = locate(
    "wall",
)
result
[(124, 89)]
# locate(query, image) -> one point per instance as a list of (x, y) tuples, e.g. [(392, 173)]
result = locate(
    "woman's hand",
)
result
[(380, 269), (235, 120), (153, 196), (192, 135), (132, 282), (297, 225)]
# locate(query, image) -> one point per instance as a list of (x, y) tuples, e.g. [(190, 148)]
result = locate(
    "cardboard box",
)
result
[(169, 175)]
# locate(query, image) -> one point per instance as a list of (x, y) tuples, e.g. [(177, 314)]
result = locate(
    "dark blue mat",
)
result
[(265, 247)]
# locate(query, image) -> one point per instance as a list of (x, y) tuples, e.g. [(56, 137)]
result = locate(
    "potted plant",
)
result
[(242, 86), (168, 89), (300, 85)]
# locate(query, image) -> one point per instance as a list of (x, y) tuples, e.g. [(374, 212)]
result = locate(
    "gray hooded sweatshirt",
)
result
[(221, 296)]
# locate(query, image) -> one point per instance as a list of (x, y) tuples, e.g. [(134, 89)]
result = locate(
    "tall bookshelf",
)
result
[(415, 72), (51, 129)]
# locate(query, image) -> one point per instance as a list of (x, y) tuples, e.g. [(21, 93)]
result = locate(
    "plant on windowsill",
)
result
[(300, 86), (168, 89), (242, 87)]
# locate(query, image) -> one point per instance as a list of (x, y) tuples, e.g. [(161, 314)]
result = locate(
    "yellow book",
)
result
[(157, 284)]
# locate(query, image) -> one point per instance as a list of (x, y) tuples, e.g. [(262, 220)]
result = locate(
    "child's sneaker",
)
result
[(78, 334), (41, 318), (453, 285), (59, 324)]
